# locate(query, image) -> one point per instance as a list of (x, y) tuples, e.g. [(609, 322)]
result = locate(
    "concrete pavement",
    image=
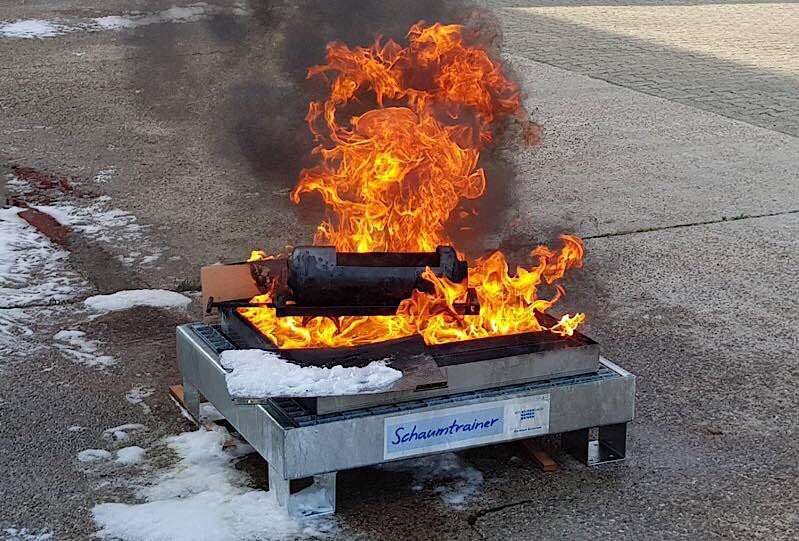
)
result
[(689, 208)]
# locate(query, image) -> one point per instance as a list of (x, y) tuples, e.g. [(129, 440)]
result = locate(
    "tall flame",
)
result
[(392, 176)]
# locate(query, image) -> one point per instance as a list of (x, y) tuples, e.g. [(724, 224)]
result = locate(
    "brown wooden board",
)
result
[(227, 282), (539, 456)]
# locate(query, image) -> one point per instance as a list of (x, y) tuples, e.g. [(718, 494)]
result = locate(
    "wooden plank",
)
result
[(539, 456), (177, 393), (227, 282), (47, 225)]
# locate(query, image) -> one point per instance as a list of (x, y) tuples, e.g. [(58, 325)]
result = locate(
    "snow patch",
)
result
[(24, 534), (76, 345), (123, 300), (93, 455), (104, 175), (76, 428), (14, 332), (138, 394), (32, 269), (186, 14), (454, 481), (203, 497), (130, 455), (257, 373), (122, 432), (101, 223), (41, 28), (32, 28)]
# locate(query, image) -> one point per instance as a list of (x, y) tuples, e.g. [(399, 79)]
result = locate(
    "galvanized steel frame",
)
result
[(319, 450)]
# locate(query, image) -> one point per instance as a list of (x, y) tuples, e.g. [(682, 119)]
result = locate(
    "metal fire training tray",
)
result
[(590, 411), (467, 366)]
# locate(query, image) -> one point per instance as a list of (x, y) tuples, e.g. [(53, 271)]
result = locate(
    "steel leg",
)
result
[(610, 445), (191, 400), (319, 498)]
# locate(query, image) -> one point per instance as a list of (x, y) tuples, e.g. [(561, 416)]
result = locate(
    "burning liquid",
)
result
[(392, 176)]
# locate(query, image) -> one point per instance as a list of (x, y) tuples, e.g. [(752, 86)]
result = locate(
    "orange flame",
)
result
[(392, 176)]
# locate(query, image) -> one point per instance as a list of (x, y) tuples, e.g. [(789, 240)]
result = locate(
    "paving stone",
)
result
[(719, 58)]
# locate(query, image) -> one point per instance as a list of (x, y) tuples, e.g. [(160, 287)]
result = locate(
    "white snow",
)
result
[(102, 223), (41, 28), (203, 497), (185, 14), (76, 428), (104, 175), (257, 373), (15, 331), (138, 394), (113, 22), (85, 351), (122, 432), (32, 269), (122, 300), (454, 481), (93, 455), (24, 534), (31, 28), (130, 455)]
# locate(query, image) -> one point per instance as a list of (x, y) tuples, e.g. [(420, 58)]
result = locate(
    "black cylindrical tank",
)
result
[(320, 276)]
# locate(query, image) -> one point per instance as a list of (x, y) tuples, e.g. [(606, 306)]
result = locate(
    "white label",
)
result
[(464, 426)]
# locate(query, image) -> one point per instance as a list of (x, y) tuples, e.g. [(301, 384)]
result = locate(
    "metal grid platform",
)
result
[(297, 443)]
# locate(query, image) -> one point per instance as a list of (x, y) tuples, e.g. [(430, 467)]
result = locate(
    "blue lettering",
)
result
[(402, 435)]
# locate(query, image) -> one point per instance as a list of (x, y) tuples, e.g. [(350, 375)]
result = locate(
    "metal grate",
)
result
[(291, 412), (212, 336)]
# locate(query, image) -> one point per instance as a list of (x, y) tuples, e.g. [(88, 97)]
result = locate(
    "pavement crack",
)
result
[(721, 220), (477, 515)]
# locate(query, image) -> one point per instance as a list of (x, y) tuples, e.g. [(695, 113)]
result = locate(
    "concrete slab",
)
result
[(613, 159), (44, 393), (704, 316)]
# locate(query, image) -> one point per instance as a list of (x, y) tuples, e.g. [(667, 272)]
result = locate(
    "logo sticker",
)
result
[(454, 428)]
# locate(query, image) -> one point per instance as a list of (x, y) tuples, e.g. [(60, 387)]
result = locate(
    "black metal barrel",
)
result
[(320, 276)]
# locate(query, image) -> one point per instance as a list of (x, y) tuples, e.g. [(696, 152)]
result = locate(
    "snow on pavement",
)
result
[(15, 331), (258, 373), (123, 300), (93, 455), (122, 432), (202, 497), (80, 349), (185, 14), (130, 455), (24, 534), (40, 28), (447, 474), (32, 269), (102, 223), (32, 28), (138, 394)]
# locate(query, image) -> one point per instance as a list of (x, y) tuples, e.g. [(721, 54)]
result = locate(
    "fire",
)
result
[(392, 176)]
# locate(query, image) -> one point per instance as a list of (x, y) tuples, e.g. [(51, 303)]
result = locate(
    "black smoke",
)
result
[(247, 81)]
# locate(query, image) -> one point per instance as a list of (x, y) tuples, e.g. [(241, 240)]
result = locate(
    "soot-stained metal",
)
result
[(319, 281)]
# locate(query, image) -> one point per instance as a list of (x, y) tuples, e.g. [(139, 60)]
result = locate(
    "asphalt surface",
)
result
[(690, 215)]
